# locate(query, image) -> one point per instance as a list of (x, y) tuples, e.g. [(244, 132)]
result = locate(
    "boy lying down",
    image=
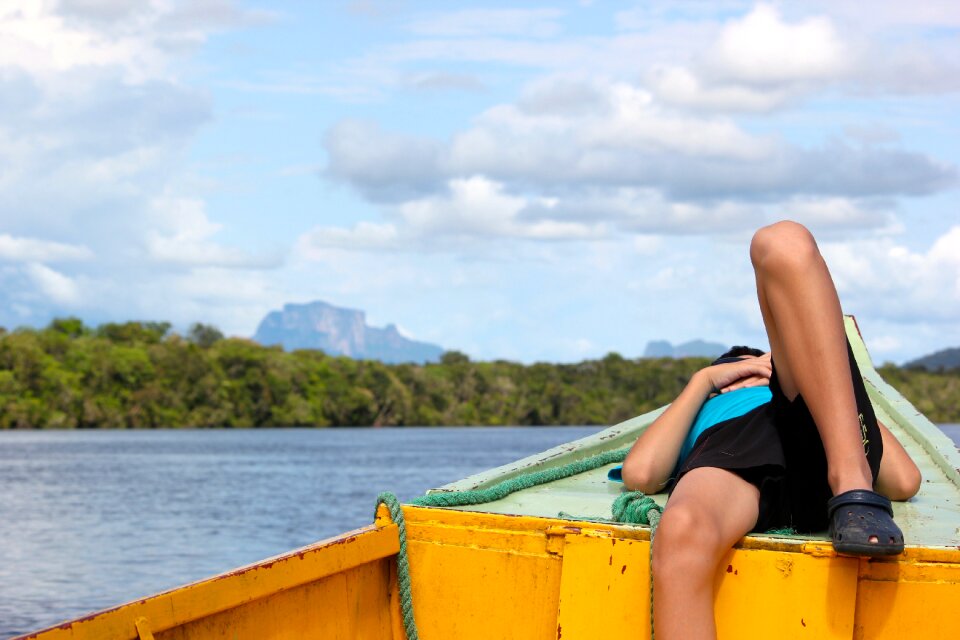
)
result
[(769, 440)]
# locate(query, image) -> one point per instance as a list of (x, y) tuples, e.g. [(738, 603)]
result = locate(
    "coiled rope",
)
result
[(629, 508)]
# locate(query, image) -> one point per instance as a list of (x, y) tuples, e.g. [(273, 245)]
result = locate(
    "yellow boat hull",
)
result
[(482, 576)]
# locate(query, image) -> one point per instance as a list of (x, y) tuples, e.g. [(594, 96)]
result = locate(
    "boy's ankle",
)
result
[(850, 480)]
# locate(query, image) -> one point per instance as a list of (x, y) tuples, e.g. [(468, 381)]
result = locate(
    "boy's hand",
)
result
[(752, 371)]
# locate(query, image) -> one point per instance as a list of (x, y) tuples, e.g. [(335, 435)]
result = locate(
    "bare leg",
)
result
[(804, 323), (709, 511)]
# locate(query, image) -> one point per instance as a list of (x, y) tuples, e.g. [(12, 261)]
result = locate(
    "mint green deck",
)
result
[(930, 519)]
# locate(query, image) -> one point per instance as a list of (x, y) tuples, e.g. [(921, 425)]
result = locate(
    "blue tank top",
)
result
[(723, 407), (714, 411)]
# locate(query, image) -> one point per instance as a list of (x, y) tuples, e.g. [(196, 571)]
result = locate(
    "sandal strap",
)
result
[(863, 497)]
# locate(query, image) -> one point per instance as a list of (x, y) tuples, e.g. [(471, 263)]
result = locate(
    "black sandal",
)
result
[(857, 515)]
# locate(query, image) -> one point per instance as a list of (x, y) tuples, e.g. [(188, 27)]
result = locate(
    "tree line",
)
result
[(142, 375)]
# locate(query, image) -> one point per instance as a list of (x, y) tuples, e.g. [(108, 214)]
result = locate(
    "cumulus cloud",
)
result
[(364, 236), (764, 61), (680, 86), (16, 249), (475, 214), (184, 235), (470, 209), (57, 287), (888, 281), (383, 166), (567, 132), (761, 49)]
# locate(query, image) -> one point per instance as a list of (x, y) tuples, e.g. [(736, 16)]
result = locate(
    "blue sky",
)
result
[(528, 181)]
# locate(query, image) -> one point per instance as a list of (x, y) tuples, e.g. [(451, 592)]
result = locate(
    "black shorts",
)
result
[(777, 448)]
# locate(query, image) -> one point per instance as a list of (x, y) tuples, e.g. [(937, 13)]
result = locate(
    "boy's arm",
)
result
[(653, 456), (651, 459)]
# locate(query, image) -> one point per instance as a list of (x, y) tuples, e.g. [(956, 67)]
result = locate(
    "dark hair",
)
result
[(735, 352)]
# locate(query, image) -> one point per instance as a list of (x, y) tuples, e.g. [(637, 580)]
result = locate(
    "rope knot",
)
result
[(634, 507)]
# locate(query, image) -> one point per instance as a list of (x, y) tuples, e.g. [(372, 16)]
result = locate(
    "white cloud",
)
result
[(763, 61), (384, 165), (680, 86), (474, 214), (184, 237), (34, 250), (763, 49), (59, 288), (472, 209), (364, 236), (832, 213), (39, 41), (571, 132), (884, 280)]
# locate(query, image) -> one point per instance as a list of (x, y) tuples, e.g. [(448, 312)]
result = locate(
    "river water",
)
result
[(90, 519)]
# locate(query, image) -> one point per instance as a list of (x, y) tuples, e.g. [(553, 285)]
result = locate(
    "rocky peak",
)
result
[(339, 331)]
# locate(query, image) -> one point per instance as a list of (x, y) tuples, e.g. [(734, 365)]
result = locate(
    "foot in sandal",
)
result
[(861, 524)]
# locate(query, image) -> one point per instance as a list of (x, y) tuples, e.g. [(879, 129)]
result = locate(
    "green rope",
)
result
[(523, 481), (403, 564), (786, 531)]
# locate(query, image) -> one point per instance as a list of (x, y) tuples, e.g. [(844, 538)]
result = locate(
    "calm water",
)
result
[(94, 518), (90, 519)]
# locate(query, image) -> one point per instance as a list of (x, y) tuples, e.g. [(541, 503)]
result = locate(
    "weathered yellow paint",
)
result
[(764, 594), (334, 568), (451, 603), (899, 600), (354, 604), (604, 588)]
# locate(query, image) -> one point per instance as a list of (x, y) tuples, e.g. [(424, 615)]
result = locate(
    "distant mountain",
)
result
[(939, 361), (341, 332), (692, 349)]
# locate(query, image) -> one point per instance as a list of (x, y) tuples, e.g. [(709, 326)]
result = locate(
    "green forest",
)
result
[(142, 375)]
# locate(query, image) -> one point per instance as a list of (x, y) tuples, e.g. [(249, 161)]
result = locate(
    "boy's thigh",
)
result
[(716, 503)]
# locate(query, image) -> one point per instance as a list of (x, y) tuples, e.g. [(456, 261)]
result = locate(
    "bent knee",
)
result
[(685, 530), (784, 244)]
